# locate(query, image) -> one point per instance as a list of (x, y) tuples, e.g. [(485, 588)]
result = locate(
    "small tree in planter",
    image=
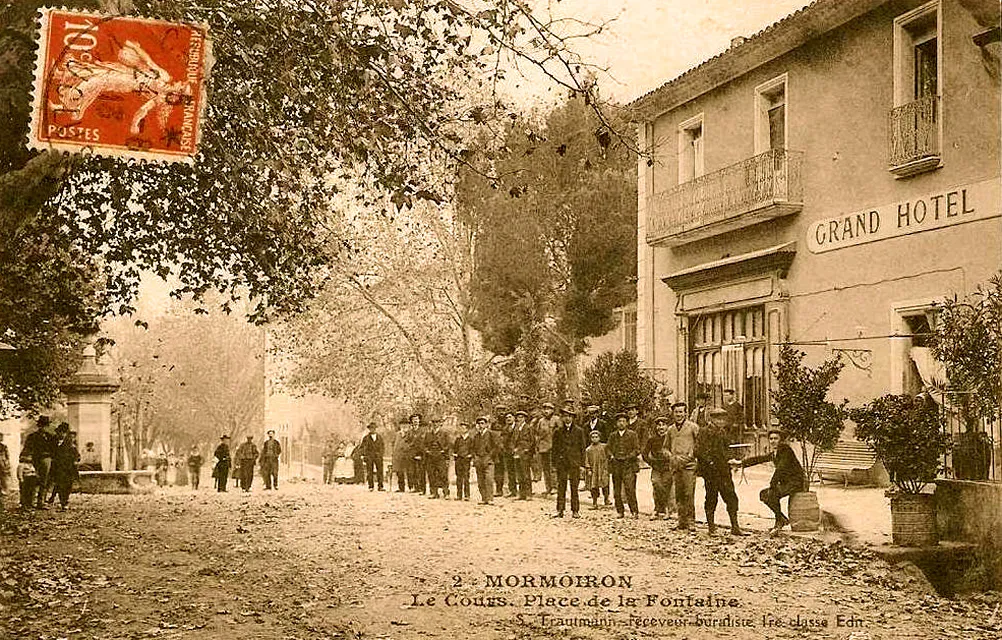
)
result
[(800, 403), (908, 437)]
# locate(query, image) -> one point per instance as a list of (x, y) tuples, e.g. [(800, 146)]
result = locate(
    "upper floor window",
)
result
[(690, 149), (915, 120), (770, 115)]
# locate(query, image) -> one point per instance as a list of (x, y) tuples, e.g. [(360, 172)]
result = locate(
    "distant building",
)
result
[(824, 183)]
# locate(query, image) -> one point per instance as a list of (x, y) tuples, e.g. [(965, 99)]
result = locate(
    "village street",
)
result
[(313, 561)]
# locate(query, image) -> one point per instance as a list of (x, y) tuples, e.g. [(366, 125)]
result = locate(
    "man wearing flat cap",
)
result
[(545, 426), (485, 448), (593, 422), (623, 450), (788, 478), (270, 451), (221, 472), (657, 453), (712, 455), (523, 450), (373, 448), (568, 456)]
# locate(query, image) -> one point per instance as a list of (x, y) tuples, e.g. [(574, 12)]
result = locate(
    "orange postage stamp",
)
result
[(119, 86)]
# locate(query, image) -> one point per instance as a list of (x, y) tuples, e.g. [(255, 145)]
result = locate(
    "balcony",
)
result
[(914, 139), (760, 188)]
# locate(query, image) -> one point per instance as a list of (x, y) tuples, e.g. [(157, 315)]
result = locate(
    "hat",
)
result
[(371, 425), (777, 430), (270, 432), (522, 412), (729, 390), (716, 411), (622, 415), (464, 423), (678, 404), (631, 405), (482, 419), (413, 415), (593, 407), (595, 432), (661, 419), (569, 401), (224, 437), (568, 412), (548, 405)]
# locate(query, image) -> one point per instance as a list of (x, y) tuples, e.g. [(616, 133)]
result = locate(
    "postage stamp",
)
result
[(119, 86)]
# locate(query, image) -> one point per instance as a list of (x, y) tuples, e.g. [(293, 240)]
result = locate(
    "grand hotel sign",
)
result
[(958, 205)]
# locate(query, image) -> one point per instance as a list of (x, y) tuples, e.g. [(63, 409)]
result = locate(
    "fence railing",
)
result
[(914, 131), (975, 447), (768, 178)]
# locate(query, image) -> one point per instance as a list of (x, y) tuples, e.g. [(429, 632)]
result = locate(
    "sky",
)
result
[(652, 41)]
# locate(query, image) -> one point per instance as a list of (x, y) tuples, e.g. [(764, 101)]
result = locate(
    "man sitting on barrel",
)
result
[(786, 480)]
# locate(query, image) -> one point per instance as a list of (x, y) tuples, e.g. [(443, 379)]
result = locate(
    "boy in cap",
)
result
[(657, 453), (623, 451), (462, 451), (596, 468), (484, 449)]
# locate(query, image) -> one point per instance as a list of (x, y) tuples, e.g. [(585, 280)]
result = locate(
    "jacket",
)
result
[(372, 449), (485, 446), (789, 473), (657, 452), (271, 449), (568, 448)]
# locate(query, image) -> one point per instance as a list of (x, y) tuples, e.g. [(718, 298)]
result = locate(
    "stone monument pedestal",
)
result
[(88, 405)]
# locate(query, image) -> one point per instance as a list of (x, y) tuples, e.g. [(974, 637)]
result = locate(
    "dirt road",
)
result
[(317, 562)]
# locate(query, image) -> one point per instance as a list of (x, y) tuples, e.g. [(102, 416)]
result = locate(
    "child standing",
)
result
[(596, 468)]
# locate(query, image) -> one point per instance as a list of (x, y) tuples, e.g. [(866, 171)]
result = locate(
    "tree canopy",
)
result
[(304, 99)]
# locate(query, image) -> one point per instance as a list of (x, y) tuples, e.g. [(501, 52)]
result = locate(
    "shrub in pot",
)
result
[(908, 437), (800, 404)]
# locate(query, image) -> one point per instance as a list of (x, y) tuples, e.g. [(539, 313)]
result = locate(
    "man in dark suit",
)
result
[(523, 450), (623, 449), (567, 456), (436, 451), (786, 480), (508, 453), (41, 445), (270, 452), (373, 447), (593, 422), (415, 445), (462, 451), (485, 449), (637, 424), (221, 472)]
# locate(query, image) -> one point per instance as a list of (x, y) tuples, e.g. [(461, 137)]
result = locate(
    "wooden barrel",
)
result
[(805, 513), (913, 520)]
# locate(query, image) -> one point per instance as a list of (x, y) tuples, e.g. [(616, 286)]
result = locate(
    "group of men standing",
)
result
[(513, 449), (247, 456)]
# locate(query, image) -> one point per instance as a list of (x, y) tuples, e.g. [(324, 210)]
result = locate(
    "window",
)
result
[(915, 122), (770, 115), (630, 330), (727, 350), (690, 149), (916, 54)]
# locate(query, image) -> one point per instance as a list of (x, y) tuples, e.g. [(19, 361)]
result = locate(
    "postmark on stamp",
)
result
[(119, 86)]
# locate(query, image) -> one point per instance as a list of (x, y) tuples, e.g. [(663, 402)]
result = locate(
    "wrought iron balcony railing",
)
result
[(762, 187), (914, 136)]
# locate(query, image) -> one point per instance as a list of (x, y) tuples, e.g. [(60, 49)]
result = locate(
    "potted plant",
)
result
[(907, 435), (800, 404)]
